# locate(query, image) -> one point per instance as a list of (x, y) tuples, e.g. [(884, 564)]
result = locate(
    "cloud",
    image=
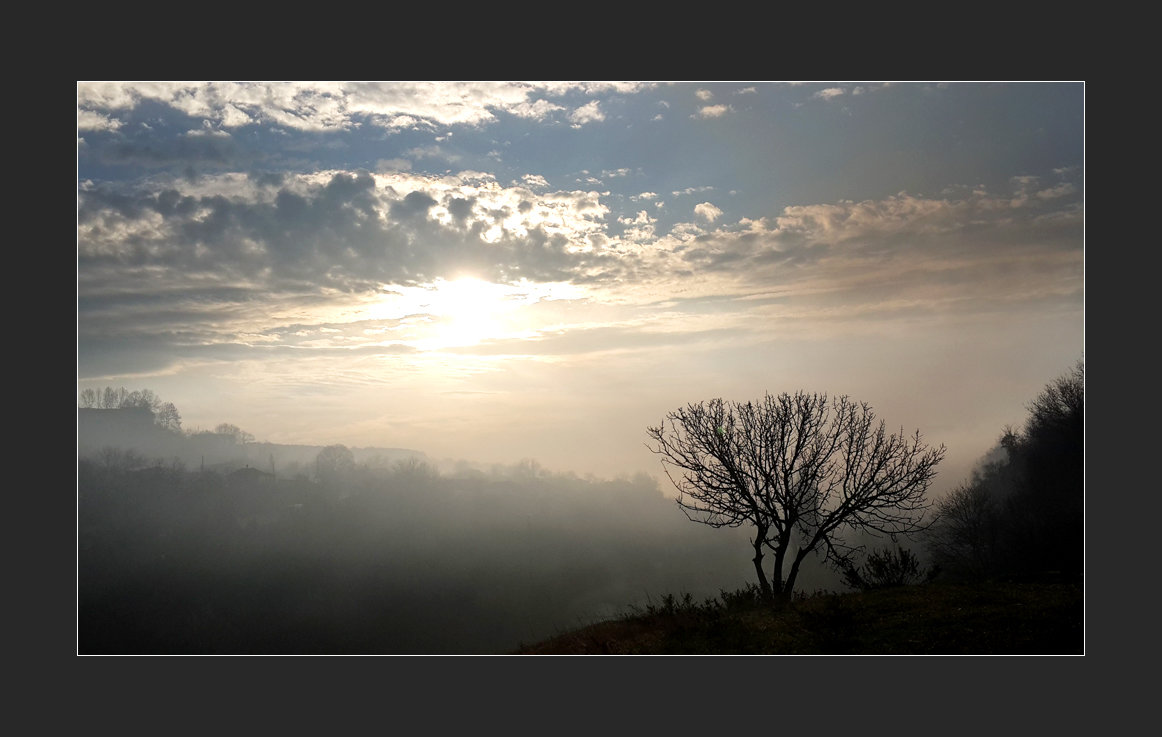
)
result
[(344, 230), (903, 254), (829, 94), (707, 211), (588, 113), (1061, 190), (333, 106), (704, 95), (537, 110), (206, 130), (432, 151), (713, 111), (1027, 187), (88, 120), (354, 231), (639, 228), (194, 262), (439, 103)]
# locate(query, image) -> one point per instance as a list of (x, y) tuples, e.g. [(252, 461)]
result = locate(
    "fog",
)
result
[(283, 549)]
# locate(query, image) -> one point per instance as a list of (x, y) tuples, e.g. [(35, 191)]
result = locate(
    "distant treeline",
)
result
[(165, 414), (135, 429)]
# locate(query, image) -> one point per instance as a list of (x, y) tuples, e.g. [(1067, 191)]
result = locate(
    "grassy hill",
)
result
[(928, 619)]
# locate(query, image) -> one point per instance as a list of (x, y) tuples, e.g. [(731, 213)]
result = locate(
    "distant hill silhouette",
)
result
[(134, 428)]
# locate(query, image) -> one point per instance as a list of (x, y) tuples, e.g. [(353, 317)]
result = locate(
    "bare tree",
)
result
[(142, 398), (88, 399), (334, 463), (965, 539), (111, 398), (1060, 408), (801, 469), (166, 415)]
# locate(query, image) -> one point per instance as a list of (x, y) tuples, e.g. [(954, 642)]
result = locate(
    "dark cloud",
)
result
[(461, 208), (267, 178), (415, 204), (102, 355)]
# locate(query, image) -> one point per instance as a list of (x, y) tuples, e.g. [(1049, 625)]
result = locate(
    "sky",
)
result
[(501, 271)]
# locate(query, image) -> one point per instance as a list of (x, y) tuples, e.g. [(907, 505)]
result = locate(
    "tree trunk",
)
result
[(789, 588), (780, 586), (764, 585)]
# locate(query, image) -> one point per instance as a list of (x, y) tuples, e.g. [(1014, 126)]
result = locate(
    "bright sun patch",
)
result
[(465, 311), (469, 311)]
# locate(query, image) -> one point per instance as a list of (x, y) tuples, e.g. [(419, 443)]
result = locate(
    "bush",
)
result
[(885, 568)]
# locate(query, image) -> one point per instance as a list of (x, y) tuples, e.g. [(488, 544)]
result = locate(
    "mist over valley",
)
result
[(219, 546)]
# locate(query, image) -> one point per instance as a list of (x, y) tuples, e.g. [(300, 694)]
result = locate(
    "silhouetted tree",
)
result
[(334, 463), (167, 416), (1046, 513), (111, 398), (88, 399), (965, 539), (1058, 412), (142, 398), (802, 470)]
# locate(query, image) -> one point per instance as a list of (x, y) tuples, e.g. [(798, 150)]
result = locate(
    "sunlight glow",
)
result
[(469, 311), (465, 311)]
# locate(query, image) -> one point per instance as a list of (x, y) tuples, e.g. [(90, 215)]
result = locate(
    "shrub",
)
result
[(884, 568)]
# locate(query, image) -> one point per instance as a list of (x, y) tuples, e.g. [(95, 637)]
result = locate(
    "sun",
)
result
[(446, 314), (468, 311)]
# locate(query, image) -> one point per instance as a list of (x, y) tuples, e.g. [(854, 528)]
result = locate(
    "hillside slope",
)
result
[(930, 619)]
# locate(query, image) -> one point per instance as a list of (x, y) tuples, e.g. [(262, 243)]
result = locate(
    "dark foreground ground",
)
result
[(928, 619)]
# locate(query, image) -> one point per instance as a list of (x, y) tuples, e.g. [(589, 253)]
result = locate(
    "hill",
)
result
[(931, 619), (100, 431)]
